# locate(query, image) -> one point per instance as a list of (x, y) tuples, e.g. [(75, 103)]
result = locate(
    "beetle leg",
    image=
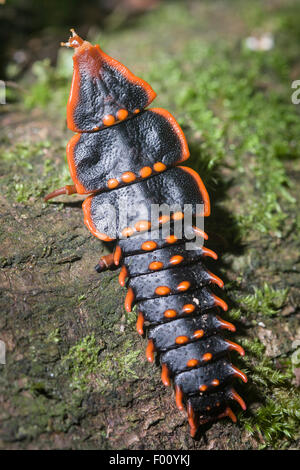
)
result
[(105, 262), (111, 262), (69, 189)]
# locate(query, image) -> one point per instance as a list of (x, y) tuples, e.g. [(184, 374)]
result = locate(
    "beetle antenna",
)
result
[(74, 40)]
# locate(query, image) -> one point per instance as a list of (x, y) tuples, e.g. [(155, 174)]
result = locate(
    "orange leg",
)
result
[(228, 412), (117, 255), (111, 261), (220, 303), (236, 347), (140, 324), (165, 375), (178, 397), (123, 275), (58, 192), (235, 396), (238, 373), (129, 300), (192, 420), (150, 350), (105, 262)]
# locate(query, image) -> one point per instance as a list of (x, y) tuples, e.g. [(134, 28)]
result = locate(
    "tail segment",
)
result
[(172, 291)]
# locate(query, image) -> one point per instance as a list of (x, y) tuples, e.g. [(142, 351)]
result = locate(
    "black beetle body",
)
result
[(127, 158)]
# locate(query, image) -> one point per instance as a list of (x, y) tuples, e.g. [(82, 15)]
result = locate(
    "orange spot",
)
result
[(165, 375), (198, 334), (207, 357), (191, 420), (181, 339), (188, 308), (208, 408), (178, 397), (235, 347), (202, 388), (142, 225), (128, 177), (112, 183), (129, 299), (136, 111), (183, 286), (163, 219), (208, 252), (225, 324), (239, 373), (150, 351), (149, 246), (122, 114), (155, 265), (215, 279), (192, 363), (162, 290), (122, 276), (140, 323), (177, 216), (127, 232), (108, 120), (235, 396), (171, 239), (220, 303), (117, 255), (176, 259), (159, 166), (170, 313), (200, 232), (215, 382), (146, 171)]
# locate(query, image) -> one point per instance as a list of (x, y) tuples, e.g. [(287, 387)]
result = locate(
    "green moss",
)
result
[(54, 336), (254, 347), (119, 365), (22, 152), (82, 361), (131, 317), (50, 88), (265, 375), (265, 301), (277, 422), (23, 161), (88, 370)]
